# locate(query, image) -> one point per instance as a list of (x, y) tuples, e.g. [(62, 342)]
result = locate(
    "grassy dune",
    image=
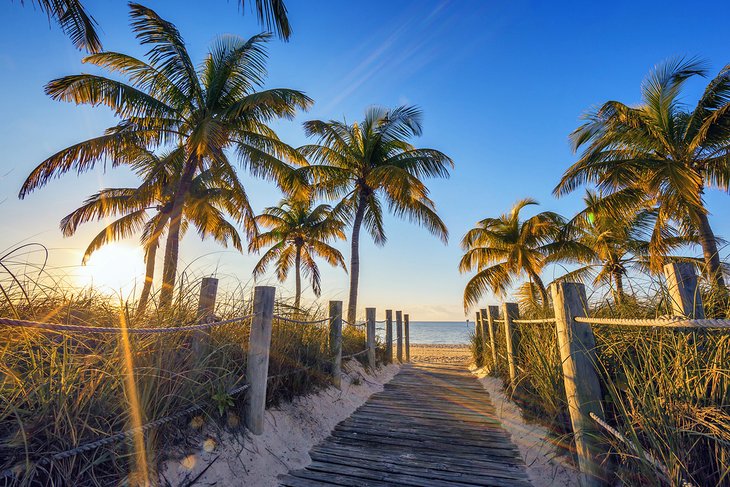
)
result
[(59, 390), (667, 391)]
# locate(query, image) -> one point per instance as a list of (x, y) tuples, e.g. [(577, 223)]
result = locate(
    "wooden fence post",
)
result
[(577, 353), (511, 311), (206, 310), (399, 331), (479, 333), (336, 342), (389, 336), (259, 347), (370, 319), (492, 313), (407, 332), (683, 292)]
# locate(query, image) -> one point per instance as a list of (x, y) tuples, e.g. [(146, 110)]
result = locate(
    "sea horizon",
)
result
[(434, 332)]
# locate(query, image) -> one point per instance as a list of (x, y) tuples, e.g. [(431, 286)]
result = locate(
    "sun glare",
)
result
[(114, 269)]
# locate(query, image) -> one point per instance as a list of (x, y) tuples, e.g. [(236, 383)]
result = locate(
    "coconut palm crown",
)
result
[(370, 165), (661, 153), (145, 209), (502, 249), (206, 110), (298, 232)]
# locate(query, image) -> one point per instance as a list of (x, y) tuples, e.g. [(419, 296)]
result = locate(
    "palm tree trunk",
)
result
[(618, 293), (172, 245), (540, 288), (297, 266), (355, 260), (148, 277), (710, 253)]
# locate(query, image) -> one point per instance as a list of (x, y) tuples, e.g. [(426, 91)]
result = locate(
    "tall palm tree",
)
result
[(75, 21), (661, 151), (504, 248), (210, 199), (205, 110), (368, 164), (297, 234)]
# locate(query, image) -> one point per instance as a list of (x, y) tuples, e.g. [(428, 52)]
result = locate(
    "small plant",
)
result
[(223, 402)]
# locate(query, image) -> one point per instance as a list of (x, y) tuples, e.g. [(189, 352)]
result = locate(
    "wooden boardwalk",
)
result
[(432, 425)]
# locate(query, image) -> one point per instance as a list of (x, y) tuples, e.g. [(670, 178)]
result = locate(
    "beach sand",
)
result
[(441, 354)]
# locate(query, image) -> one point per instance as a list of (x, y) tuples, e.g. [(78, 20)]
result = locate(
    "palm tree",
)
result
[(205, 111), (666, 155), (369, 164), (210, 199), (504, 248), (297, 234), (75, 21)]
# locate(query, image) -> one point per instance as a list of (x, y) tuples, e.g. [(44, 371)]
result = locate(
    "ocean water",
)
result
[(434, 332)]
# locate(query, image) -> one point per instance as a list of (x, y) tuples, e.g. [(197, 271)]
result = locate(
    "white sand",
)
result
[(441, 354), (544, 466), (290, 431)]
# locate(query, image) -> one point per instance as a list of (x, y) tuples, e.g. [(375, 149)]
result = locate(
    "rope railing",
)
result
[(300, 322), (363, 323), (535, 321), (352, 355), (116, 330), (678, 322)]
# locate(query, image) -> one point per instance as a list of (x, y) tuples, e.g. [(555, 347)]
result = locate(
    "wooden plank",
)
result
[(438, 461), (430, 426)]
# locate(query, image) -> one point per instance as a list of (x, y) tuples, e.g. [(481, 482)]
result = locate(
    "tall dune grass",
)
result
[(667, 391), (59, 390)]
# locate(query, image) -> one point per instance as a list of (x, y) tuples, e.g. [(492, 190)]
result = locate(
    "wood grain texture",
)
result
[(432, 425)]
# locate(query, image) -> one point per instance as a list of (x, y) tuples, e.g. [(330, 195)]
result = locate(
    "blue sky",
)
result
[(501, 85)]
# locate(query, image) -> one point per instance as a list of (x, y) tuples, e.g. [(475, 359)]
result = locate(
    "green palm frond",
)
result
[(74, 20)]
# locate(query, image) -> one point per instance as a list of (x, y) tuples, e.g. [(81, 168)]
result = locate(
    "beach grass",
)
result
[(666, 391), (60, 390)]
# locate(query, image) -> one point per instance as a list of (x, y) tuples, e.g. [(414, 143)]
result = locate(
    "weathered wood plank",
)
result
[(430, 426)]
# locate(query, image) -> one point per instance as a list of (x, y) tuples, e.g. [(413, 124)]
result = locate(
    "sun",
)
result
[(114, 269)]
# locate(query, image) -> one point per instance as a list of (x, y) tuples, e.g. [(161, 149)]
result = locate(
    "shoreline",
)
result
[(441, 353)]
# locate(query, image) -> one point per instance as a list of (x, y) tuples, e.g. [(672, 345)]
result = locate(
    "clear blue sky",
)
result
[(501, 85)]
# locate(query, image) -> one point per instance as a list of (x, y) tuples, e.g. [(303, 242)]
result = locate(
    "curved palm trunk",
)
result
[(148, 278), (711, 254), (172, 245), (150, 264), (298, 265), (618, 292), (355, 260), (540, 288)]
